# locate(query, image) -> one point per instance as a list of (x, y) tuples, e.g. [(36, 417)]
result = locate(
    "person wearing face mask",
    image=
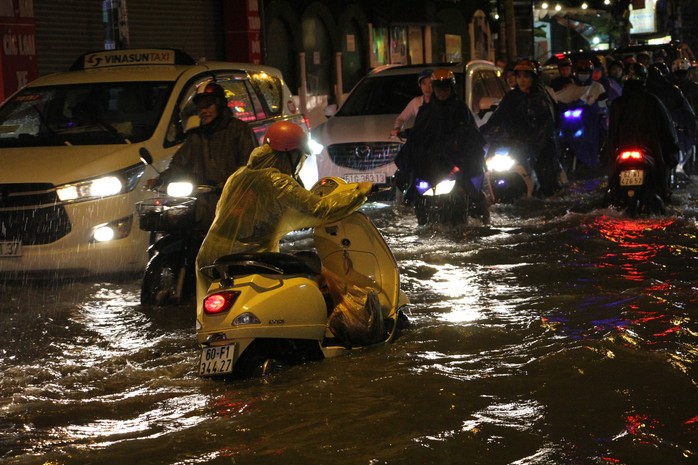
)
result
[(526, 119), (593, 100)]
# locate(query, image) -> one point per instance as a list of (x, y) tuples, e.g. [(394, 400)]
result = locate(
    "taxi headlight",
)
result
[(117, 229), (105, 186)]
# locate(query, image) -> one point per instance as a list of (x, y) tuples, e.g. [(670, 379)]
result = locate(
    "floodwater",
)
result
[(561, 334)]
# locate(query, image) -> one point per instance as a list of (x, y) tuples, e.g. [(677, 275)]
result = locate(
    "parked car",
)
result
[(355, 143), (69, 149)]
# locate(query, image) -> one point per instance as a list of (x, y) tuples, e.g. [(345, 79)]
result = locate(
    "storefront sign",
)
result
[(18, 64)]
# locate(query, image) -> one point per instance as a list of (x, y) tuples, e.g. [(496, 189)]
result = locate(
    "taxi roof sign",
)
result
[(130, 57)]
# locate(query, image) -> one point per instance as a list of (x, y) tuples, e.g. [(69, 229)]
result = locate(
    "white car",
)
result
[(69, 150), (355, 142)]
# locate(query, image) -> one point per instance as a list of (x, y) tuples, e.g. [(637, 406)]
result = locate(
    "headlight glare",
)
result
[(500, 162), (180, 189)]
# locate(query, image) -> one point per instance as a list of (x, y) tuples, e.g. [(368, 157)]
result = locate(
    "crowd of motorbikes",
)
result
[(266, 310)]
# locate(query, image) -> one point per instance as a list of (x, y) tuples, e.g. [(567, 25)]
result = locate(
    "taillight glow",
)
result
[(631, 155), (220, 302)]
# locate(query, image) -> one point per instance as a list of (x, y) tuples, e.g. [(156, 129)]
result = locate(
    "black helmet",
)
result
[(637, 72), (212, 90), (423, 75), (443, 78), (661, 68)]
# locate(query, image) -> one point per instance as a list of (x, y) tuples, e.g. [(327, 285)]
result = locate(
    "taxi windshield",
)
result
[(83, 114)]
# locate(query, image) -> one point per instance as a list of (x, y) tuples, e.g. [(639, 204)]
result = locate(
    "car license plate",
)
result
[(632, 177), (216, 360), (376, 178), (10, 249)]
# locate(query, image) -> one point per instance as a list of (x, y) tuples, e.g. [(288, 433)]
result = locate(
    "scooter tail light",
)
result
[(220, 302), (631, 155)]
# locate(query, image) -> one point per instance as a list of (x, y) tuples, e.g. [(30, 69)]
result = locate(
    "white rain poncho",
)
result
[(260, 204)]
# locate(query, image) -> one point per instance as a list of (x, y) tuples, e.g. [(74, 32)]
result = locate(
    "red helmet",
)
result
[(526, 65), (211, 90), (284, 136)]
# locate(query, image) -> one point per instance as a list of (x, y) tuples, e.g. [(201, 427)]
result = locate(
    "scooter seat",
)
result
[(270, 263)]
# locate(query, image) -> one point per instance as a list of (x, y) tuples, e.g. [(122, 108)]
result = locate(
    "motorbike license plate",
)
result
[(10, 249), (376, 178), (632, 177), (216, 360)]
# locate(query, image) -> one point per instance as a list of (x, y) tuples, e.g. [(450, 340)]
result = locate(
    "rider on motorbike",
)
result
[(526, 120), (263, 201), (211, 152), (639, 118), (443, 140)]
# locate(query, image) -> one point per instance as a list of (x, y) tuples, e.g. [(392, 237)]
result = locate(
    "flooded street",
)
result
[(561, 334)]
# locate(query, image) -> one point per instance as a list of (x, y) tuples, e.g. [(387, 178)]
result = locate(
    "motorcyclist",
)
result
[(681, 69), (263, 201), (412, 108), (525, 118), (443, 140), (593, 116), (681, 111), (615, 80), (565, 78), (638, 118), (211, 152)]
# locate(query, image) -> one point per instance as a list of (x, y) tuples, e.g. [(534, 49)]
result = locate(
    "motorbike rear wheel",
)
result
[(160, 281)]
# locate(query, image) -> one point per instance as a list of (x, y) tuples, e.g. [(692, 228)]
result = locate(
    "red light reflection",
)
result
[(635, 237)]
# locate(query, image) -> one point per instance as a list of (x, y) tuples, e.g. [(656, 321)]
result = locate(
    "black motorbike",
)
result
[(634, 182), (170, 276), (441, 193)]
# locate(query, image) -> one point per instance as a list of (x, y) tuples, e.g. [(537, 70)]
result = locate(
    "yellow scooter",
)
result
[(266, 310)]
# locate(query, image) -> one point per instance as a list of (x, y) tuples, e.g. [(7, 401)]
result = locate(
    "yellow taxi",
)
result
[(69, 150)]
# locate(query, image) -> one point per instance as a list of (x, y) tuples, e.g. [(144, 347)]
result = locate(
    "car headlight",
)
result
[(112, 184), (500, 162), (180, 189)]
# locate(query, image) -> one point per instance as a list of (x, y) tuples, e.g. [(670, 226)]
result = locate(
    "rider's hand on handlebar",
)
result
[(365, 187), (151, 184)]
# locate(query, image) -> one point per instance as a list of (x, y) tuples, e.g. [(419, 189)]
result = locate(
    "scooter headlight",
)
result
[(220, 302), (573, 114), (442, 188), (500, 162), (180, 189)]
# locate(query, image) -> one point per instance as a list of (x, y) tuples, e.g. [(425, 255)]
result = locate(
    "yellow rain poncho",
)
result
[(260, 204)]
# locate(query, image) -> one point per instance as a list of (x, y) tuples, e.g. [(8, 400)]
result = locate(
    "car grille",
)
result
[(363, 156), (31, 213)]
